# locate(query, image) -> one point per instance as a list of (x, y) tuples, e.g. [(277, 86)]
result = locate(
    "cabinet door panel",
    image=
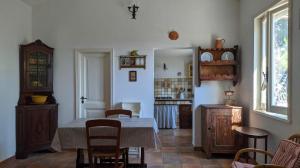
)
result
[(223, 135), (223, 131), (38, 127), (185, 116)]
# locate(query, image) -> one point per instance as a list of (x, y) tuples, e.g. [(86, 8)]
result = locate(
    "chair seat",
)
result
[(236, 164)]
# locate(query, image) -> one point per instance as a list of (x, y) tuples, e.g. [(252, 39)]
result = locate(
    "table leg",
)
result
[(80, 159), (255, 141), (126, 157), (142, 156), (266, 149)]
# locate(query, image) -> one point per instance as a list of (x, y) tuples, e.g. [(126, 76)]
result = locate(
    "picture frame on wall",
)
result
[(132, 76)]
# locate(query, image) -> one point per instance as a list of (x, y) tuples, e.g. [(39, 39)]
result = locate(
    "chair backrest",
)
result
[(103, 139), (295, 138), (118, 112), (287, 154)]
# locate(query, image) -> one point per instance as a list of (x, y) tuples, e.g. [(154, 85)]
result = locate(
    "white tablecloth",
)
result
[(165, 115), (135, 132)]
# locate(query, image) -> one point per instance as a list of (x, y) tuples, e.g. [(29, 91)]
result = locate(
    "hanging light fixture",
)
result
[(133, 8)]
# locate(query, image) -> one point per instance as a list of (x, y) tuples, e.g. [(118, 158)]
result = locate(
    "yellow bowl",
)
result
[(39, 99)]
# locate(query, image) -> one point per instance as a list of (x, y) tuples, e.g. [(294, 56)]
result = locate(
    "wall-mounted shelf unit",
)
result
[(133, 61), (218, 64)]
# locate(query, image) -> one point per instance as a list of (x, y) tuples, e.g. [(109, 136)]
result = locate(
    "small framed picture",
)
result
[(132, 76)]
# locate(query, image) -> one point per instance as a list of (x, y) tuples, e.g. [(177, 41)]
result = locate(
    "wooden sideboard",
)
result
[(218, 135)]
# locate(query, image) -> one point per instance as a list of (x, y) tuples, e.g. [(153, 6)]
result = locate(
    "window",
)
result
[(272, 60)]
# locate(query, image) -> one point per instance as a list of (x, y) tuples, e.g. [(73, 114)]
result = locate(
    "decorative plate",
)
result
[(227, 56), (206, 56), (173, 35)]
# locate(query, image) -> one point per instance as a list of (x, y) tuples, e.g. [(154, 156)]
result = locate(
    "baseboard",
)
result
[(198, 148), (3, 162)]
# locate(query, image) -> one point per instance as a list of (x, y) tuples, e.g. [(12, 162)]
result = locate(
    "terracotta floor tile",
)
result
[(154, 158), (211, 166), (183, 132), (166, 132), (185, 165), (171, 158), (189, 157), (172, 166), (155, 166), (209, 162), (166, 149), (185, 149)]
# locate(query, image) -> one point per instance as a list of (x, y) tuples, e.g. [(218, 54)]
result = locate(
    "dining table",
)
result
[(135, 132)]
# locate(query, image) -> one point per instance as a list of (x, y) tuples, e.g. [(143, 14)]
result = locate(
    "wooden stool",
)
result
[(254, 133)]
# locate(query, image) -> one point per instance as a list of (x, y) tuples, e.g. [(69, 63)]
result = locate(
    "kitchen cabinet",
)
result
[(185, 116)]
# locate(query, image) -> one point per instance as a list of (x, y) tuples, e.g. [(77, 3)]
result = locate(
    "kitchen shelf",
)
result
[(219, 69), (218, 63), (218, 77), (133, 61)]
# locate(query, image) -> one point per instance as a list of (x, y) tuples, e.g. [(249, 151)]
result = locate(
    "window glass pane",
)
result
[(279, 58), (264, 82)]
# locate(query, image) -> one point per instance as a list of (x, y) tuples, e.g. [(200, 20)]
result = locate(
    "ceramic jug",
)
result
[(219, 43)]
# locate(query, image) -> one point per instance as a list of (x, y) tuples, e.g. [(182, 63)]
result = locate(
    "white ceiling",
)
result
[(33, 2)]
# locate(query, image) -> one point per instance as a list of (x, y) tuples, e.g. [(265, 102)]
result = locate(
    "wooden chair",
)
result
[(128, 113), (113, 112), (103, 146), (295, 138), (286, 149)]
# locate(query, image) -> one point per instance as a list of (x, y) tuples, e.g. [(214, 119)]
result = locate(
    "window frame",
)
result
[(281, 113)]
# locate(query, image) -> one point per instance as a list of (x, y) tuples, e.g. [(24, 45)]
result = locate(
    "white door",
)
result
[(93, 83)]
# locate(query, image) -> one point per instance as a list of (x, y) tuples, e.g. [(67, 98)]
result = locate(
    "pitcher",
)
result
[(219, 43)]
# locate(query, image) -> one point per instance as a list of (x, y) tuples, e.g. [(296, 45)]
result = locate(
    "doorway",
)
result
[(93, 82), (173, 90)]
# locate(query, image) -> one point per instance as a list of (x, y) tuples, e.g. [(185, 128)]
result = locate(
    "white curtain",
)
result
[(165, 115)]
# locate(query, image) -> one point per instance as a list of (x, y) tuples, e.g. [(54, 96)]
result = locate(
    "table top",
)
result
[(135, 132), (125, 123), (252, 132)]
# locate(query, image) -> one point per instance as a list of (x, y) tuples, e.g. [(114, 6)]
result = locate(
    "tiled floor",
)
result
[(176, 152)]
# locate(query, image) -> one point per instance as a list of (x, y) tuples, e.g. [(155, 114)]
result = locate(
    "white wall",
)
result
[(69, 24), (278, 129), (139, 91), (15, 20), (176, 60)]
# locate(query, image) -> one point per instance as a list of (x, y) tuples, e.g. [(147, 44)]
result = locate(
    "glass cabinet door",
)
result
[(37, 70)]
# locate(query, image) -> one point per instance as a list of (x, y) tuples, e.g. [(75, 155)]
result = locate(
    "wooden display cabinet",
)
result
[(218, 68), (35, 123)]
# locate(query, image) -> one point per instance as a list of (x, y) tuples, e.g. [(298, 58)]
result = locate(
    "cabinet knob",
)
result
[(209, 128)]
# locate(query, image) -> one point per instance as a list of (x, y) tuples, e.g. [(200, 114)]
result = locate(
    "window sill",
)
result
[(276, 116)]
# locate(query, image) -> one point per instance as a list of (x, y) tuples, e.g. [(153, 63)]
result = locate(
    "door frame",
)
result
[(78, 61)]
